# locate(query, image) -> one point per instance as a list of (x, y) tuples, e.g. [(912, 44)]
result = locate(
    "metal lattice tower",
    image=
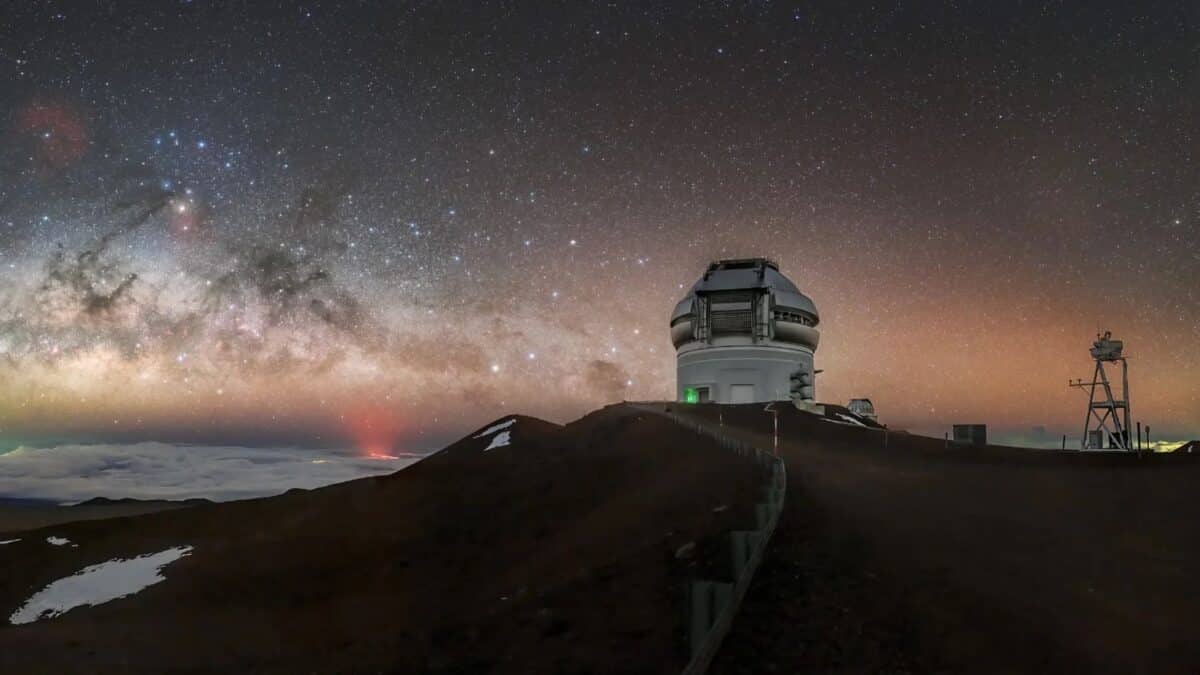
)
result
[(1107, 420)]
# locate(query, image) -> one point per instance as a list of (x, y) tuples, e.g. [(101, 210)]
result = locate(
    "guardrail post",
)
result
[(711, 605), (700, 613), (722, 599), (738, 554), (742, 546), (773, 496), (762, 516)]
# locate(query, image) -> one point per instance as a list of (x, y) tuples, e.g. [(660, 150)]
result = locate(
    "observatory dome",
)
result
[(743, 334)]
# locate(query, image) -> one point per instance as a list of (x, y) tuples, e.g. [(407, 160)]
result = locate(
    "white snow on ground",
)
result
[(502, 439), (850, 419), (57, 541), (9, 541), (97, 584), (496, 427), (845, 424)]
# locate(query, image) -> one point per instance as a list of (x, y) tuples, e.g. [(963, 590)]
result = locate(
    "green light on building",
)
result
[(691, 395)]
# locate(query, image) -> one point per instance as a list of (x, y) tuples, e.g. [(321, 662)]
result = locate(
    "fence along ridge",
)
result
[(710, 605)]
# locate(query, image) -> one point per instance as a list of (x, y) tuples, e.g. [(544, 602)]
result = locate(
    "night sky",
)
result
[(382, 224)]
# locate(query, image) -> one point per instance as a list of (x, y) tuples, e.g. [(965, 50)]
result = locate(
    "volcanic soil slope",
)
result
[(565, 549), (525, 547), (901, 553), (24, 514)]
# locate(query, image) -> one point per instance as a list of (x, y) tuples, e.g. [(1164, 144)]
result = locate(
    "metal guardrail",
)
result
[(711, 605)]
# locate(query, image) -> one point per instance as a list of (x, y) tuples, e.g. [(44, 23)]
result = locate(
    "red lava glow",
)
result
[(375, 430), (55, 131)]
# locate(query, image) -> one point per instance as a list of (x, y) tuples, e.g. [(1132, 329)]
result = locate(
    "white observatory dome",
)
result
[(744, 334)]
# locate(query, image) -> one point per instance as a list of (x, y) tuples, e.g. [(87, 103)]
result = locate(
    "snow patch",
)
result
[(845, 424), (57, 541), (9, 541), (850, 419), (502, 439), (97, 584), (496, 427)]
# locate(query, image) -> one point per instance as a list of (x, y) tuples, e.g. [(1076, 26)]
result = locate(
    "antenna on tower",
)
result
[(1107, 423)]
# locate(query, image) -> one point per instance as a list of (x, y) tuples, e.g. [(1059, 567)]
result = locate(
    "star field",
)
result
[(317, 222)]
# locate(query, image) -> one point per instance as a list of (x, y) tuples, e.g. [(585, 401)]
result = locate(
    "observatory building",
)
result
[(862, 407), (745, 334)]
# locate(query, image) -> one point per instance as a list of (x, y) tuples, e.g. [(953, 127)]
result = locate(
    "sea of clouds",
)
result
[(73, 473)]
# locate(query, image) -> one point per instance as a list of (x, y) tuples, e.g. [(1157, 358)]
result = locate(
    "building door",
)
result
[(741, 393)]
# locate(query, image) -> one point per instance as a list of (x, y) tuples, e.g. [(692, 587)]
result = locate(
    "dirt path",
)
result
[(919, 558)]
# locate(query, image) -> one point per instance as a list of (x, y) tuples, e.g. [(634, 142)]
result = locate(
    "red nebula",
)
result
[(55, 131), (375, 430)]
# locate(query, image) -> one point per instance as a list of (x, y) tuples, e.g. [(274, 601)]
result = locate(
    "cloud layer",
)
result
[(70, 473)]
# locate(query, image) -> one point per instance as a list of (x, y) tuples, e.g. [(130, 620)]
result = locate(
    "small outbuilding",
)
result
[(970, 434)]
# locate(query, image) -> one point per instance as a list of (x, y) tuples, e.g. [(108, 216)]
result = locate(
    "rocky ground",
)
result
[(566, 549), (29, 514), (904, 554), (553, 552)]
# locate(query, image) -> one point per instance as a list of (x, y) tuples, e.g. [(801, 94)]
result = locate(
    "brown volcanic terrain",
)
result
[(895, 553), (919, 557), (18, 514), (553, 554)]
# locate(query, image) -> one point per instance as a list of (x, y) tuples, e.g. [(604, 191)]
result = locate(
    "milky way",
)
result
[(320, 224)]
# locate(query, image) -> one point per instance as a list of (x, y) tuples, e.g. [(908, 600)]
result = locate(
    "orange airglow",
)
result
[(375, 430)]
